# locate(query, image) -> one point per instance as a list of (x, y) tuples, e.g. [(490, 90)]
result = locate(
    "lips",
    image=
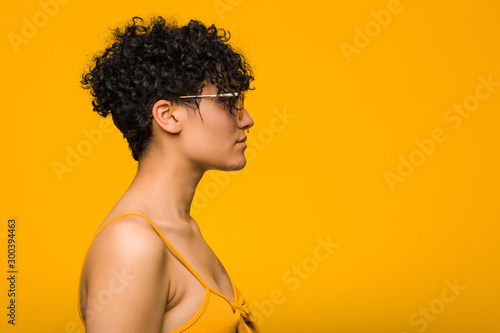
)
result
[(242, 140)]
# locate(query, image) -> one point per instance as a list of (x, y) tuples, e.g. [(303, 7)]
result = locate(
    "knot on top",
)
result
[(248, 321), (244, 311)]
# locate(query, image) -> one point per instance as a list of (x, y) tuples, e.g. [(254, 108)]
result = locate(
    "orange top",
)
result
[(216, 314)]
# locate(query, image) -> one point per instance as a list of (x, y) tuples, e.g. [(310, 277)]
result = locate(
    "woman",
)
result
[(176, 94)]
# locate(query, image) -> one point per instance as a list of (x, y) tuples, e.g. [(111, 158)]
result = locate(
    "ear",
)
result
[(167, 116)]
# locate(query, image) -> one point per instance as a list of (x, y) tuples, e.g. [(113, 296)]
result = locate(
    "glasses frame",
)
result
[(240, 101)]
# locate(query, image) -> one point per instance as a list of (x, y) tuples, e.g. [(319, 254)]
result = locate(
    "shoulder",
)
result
[(126, 273), (127, 239)]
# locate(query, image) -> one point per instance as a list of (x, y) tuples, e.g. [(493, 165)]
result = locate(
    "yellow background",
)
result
[(319, 173)]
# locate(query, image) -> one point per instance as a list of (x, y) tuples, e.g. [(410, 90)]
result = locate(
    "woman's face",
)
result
[(211, 137)]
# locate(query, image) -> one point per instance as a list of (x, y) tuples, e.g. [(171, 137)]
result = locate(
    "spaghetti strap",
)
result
[(172, 247), (214, 314)]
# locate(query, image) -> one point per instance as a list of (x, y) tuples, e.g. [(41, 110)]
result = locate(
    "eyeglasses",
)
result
[(239, 104)]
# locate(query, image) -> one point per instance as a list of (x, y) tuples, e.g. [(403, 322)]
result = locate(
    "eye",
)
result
[(224, 100), (226, 103)]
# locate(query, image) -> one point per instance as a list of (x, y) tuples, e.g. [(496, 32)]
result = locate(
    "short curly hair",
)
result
[(162, 60)]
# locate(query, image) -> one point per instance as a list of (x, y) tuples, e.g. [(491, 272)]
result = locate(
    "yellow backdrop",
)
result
[(370, 199)]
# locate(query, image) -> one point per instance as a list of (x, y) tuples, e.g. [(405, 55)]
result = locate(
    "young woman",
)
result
[(176, 94)]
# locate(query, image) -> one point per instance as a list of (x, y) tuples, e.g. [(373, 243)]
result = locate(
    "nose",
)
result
[(247, 121)]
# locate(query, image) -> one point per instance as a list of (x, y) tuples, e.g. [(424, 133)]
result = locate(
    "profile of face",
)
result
[(208, 139)]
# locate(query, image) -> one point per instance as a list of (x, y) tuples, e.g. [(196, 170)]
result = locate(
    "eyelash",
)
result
[(226, 101)]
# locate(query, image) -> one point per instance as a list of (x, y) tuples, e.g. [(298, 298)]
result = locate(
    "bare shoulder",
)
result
[(126, 278), (126, 240)]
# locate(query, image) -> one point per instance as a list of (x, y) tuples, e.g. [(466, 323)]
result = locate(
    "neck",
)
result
[(165, 185)]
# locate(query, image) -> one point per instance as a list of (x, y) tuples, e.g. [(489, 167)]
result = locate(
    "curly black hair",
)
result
[(162, 60)]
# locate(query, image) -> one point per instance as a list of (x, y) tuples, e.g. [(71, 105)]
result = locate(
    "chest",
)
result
[(195, 263)]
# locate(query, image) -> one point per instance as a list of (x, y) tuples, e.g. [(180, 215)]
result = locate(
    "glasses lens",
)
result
[(241, 100)]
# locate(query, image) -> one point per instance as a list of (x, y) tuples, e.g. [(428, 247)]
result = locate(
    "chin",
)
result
[(236, 165)]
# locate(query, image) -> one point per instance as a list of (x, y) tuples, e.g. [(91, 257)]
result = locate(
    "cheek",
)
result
[(219, 133), (219, 125), (214, 136)]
